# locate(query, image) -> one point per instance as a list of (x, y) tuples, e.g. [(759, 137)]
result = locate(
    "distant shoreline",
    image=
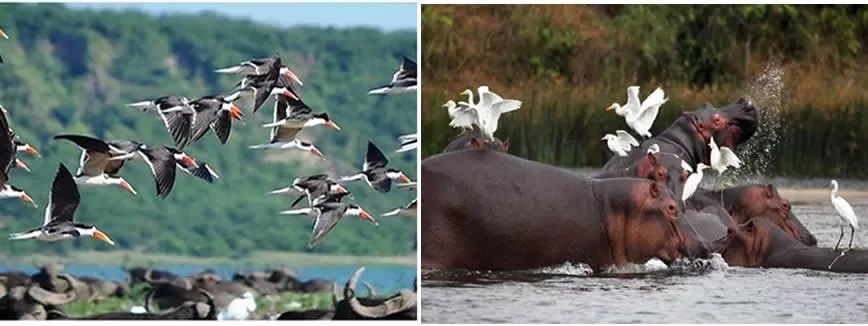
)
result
[(276, 258), (820, 195)]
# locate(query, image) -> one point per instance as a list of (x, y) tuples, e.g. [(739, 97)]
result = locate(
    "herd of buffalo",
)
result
[(485, 209), (200, 296)]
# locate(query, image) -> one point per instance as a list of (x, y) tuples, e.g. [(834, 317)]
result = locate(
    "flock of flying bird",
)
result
[(640, 116), (187, 122)]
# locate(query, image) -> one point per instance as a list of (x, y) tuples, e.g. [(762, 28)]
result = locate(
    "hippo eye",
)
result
[(786, 206)]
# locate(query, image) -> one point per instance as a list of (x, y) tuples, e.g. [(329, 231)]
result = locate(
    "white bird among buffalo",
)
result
[(640, 116), (622, 143), (845, 212)]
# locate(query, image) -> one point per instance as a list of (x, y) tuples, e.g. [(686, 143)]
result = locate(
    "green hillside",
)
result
[(73, 71)]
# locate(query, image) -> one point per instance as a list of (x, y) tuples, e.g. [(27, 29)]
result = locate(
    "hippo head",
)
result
[(656, 232), (765, 201), (665, 168), (749, 243), (730, 125), (496, 145)]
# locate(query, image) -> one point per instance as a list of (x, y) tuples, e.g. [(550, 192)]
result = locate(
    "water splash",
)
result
[(567, 269), (767, 91)]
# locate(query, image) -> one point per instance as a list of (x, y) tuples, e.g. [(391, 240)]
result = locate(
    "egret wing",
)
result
[(728, 158), (626, 139)]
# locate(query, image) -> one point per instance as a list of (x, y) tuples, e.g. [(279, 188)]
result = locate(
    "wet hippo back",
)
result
[(490, 210)]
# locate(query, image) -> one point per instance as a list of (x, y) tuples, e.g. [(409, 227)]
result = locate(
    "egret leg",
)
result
[(852, 232), (840, 237)]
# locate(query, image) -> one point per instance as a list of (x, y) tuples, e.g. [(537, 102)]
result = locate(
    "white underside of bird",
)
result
[(640, 116), (693, 181), (722, 158), (621, 143), (239, 308)]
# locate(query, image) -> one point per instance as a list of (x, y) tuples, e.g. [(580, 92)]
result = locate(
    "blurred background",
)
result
[(804, 64), (73, 68)]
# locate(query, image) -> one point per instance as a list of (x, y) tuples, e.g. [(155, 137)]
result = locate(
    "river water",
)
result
[(730, 295)]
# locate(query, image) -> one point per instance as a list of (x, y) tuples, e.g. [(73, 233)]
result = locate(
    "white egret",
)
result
[(693, 180), (845, 212), (722, 157), (239, 308), (686, 166), (654, 149), (620, 144), (640, 116), (489, 108), (463, 115)]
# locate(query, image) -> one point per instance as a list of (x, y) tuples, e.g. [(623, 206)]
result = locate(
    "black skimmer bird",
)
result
[(8, 159), (327, 215), (21, 146), (296, 114), (101, 162), (215, 113), (261, 89), (375, 172), (403, 81), (177, 115), (3, 34), (163, 160), (408, 143), (283, 136), (262, 66), (315, 188), (409, 209), (59, 223), (204, 171)]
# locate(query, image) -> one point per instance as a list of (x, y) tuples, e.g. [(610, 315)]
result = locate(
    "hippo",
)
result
[(761, 243), (661, 167), (750, 200), (490, 210), (688, 136), (710, 223), (472, 139)]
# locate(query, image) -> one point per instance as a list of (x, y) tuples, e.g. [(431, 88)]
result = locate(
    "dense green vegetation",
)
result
[(569, 62), (73, 71)]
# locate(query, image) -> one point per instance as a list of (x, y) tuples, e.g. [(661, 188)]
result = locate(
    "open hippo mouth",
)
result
[(743, 122)]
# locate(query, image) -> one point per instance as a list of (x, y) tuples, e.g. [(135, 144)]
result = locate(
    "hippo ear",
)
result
[(654, 190), (505, 146), (475, 143), (770, 190)]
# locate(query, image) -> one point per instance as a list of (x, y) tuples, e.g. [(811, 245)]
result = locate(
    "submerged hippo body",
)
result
[(761, 243), (755, 200), (688, 136), (490, 210), (710, 223)]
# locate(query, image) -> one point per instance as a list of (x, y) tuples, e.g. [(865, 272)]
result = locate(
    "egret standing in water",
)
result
[(845, 212)]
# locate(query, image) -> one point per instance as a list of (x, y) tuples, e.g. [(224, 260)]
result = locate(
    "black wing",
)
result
[(87, 143), (113, 167), (64, 197), (263, 91), (180, 127), (297, 108), (7, 147), (379, 180), (222, 126), (126, 146), (407, 70), (375, 157), (330, 214), (206, 113), (162, 165)]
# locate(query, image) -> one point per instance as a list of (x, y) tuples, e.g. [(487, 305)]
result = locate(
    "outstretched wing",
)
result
[(222, 126), (686, 166), (728, 158), (329, 216), (646, 118), (633, 103), (63, 199), (374, 157), (657, 97), (625, 139), (162, 166)]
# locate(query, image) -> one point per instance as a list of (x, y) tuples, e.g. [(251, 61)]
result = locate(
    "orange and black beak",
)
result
[(316, 152), (404, 178), (367, 217), (189, 162), (291, 75), (128, 187), (27, 199), (290, 94), (21, 164), (3, 34), (236, 113), (333, 125), (99, 235), (32, 151)]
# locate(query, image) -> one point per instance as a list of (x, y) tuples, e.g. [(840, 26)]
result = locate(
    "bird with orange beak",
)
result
[(59, 223), (375, 172), (215, 113), (328, 213), (21, 146), (99, 166)]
